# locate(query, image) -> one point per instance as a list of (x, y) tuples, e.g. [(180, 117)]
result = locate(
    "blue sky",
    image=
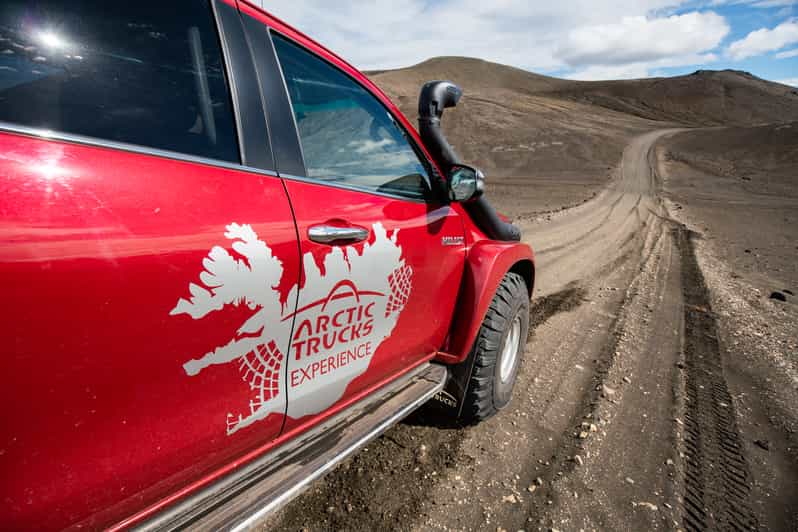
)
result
[(580, 39), (744, 18)]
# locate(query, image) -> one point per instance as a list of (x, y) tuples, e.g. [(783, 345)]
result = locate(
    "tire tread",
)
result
[(478, 403)]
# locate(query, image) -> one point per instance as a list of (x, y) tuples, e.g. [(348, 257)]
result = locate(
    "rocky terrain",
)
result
[(659, 388)]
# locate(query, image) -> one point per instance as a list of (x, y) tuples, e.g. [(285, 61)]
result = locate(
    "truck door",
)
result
[(146, 263), (382, 258)]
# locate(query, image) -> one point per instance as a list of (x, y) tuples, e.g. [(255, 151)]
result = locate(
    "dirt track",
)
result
[(622, 418)]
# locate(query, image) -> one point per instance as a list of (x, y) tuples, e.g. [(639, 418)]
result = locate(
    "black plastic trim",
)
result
[(253, 134), (434, 98), (284, 136)]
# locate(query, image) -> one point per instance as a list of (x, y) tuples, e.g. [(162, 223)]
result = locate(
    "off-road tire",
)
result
[(487, 392)]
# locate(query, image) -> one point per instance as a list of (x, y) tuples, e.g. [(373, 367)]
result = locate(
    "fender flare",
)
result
[(486, 265)]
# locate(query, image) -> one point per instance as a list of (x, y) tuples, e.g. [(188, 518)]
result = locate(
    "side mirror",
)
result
[(465, 183)]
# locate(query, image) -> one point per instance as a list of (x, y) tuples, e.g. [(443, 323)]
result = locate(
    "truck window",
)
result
[(144, 73), (347, 135)]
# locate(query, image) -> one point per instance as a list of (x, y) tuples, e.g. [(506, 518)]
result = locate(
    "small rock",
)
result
[(578, 459), (539, 481), (421, 454), (349, 507), (627, 380), (652, 507), (510, 498), (778, 296), (532, 488), (330, 509), (764, 444), (668, 506), (669, 462), (593, 428), (607, 390), (629, 480), (583, 435)]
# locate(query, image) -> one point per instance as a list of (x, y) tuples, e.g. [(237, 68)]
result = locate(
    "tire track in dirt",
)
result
[(717, 478)]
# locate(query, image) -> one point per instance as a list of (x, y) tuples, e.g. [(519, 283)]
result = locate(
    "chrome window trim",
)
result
[(47, 134)]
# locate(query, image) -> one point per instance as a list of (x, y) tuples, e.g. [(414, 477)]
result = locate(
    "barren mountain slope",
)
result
[(703, 98), (546, 143), (540, 153)]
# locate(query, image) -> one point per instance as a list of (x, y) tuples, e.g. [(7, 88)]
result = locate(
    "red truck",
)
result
[(229, 261)]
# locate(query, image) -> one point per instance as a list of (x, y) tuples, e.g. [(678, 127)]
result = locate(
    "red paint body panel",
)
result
[(102, 424), (97, 247), (488, 261), (286, 436), (437, 269)]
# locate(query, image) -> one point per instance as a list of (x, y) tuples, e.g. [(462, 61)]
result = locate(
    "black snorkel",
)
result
[(434, 98)]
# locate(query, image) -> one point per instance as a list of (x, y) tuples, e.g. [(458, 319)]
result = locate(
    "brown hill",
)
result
[(705, 97), (548, 142)]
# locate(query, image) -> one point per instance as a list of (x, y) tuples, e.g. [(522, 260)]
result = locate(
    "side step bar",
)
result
[(241, 500)]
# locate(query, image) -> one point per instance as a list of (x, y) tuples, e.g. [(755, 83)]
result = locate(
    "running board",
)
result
[(241, 500)]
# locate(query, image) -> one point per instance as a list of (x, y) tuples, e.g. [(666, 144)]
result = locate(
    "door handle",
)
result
[(328, 234)]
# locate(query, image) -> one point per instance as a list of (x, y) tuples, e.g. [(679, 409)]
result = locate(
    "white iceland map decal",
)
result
[(342, 317)]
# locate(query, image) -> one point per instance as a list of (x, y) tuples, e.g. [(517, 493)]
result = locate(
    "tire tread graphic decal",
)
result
[(340, 320), (260, 368), (400, 289)]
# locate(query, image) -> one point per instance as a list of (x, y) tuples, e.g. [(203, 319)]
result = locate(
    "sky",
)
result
[(577, 39)]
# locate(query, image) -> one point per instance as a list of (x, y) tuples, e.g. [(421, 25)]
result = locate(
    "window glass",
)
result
[(140, 72), (347, 135)]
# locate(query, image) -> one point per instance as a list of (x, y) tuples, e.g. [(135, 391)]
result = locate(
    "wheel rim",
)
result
[(510, 350)]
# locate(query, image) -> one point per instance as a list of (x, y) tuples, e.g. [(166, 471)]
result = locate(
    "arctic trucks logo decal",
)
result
[(341, 318)]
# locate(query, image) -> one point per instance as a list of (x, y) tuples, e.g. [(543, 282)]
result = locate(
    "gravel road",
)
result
[(622, 417)]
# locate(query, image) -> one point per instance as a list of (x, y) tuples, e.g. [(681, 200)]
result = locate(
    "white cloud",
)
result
[(596, 72), (788, 81), (642, 39), (765, 40), (572, 35), (639, 69), (787, 54)]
